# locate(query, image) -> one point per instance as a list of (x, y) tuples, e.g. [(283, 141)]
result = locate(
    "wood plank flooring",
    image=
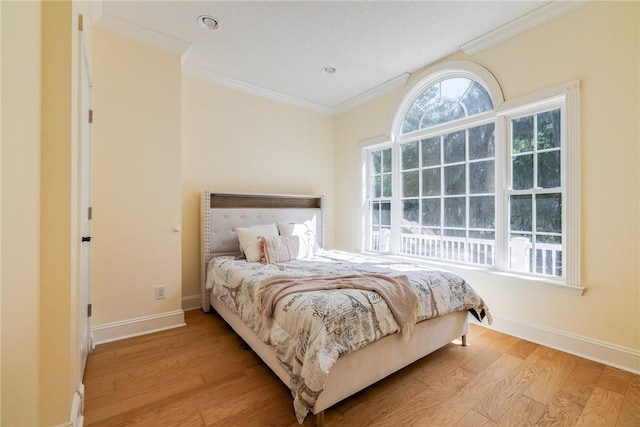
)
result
[(199, 376)]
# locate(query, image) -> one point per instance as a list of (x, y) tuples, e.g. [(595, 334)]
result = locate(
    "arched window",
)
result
[(446, 101), (466, 177)]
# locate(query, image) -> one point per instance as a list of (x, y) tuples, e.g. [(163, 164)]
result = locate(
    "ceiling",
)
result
[(278, 49)]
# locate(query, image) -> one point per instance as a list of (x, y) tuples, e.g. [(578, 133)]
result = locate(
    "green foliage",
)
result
[(446, 101)]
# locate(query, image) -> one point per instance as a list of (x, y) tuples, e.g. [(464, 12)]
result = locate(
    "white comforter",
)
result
[(311, 330)]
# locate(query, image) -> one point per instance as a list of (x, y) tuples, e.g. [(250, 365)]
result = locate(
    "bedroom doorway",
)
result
[(84, 291)]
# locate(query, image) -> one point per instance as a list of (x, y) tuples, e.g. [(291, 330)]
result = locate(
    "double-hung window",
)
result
[(380, 199), (469, 178), (535, 194)]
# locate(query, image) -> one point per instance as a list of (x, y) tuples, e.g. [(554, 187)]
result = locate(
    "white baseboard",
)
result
[(599, 351), (610, 354), (76, 417), (191, 302), (139, 326), (77, 407)]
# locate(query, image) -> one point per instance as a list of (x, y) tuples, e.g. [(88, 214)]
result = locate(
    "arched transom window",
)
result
[(445, 101)]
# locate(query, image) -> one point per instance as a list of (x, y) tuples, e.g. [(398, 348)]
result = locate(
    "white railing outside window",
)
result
[(475, 251), (545, 259)]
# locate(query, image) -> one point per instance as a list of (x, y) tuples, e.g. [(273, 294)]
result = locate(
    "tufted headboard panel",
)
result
[(222, 213)]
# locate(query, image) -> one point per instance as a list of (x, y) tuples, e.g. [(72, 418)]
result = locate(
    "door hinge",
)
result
[(90, 116), (89, 310), (80, 22), (89, 212)]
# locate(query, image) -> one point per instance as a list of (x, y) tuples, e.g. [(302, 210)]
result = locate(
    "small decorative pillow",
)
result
[(279, 248), (248, 239), (306, 232)]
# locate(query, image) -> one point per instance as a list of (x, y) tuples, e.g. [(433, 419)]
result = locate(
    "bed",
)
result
[(344, 367)]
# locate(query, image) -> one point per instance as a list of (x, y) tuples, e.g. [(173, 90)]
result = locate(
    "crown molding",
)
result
[(208, 76), (388, 86), (145, 35), (537, 17)]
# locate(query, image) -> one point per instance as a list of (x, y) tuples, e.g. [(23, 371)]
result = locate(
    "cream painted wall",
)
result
[(39, 212), (233, 141), (610, 143), (136, 179), (598, 44), (20, 282), (0, 217), (58, 213), (364, 123)]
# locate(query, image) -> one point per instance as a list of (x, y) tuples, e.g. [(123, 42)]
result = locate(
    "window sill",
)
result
[(523, 279)]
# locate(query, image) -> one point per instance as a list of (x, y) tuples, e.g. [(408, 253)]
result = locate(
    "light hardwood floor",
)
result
[(199, 376)]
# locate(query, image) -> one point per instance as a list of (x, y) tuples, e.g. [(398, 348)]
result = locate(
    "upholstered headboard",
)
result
[(222, 213)]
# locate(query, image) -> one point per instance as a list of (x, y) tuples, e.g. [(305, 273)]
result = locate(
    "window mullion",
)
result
[(396, 214), (467, 198), (534, 229), (442, 188), (502, 176), (420, 191)]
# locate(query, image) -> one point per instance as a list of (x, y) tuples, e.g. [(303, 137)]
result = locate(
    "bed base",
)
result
[(221, 213), (362, 368)]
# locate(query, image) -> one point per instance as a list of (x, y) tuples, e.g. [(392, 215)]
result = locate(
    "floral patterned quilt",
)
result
[(311, 330)]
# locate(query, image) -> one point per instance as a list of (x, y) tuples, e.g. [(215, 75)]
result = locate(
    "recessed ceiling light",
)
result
[(329, 70), (208, 22)]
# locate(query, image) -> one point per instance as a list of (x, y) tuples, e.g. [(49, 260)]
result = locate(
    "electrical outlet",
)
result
[(160, 292)]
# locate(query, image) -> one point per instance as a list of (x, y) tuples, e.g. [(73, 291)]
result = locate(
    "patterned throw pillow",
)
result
[(279, 248)]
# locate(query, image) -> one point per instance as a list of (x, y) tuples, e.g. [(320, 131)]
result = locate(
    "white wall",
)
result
[(579, 45)]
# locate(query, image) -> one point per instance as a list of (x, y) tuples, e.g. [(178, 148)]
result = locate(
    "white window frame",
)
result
[(565, 96), (365, 191)]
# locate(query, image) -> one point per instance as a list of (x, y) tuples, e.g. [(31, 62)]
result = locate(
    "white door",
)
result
[(84, 294)]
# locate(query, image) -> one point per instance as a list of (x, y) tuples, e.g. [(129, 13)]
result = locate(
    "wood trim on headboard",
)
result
[(228, 200)]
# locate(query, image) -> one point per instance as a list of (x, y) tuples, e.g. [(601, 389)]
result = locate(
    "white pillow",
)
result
[(248, 239), (307, 233)]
